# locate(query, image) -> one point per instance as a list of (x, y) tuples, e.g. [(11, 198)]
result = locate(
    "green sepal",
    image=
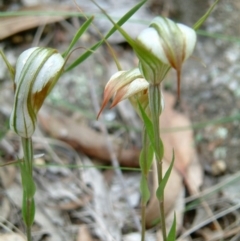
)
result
[(162, 185), (172, 233), (79, 33), (198, 24), (145, 193), (9, 66), (86, 54)]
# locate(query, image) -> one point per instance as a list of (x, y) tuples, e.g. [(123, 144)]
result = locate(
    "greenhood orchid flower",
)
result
[(127, 85), (167, 44), (37, 71)]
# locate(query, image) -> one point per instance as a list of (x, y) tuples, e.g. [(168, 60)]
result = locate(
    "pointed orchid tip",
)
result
[(101, 110), (106, 98), (113, 105), (99, 113)]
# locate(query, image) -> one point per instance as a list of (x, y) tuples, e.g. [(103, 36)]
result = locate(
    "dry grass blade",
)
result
[(209, 220)]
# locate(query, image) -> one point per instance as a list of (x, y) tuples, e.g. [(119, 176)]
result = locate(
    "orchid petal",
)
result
[(116, 82), (130, 90)]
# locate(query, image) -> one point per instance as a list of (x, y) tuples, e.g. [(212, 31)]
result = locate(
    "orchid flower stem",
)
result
[(29, 234), (28, 153), (143, 217), (28, 205), (156, 109), (144, 170)]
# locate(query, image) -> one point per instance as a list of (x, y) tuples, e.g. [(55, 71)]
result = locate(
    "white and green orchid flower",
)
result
[(37, 71), (166, 44)]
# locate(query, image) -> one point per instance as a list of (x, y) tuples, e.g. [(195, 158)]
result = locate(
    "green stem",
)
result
[(144, 169), (156, 109), (28, 205), (29, 233), (28, 153), (143, 217)]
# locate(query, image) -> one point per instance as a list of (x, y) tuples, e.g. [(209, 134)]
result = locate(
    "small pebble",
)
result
[(218, 167)]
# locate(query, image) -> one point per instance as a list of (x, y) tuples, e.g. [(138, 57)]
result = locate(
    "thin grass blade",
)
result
[(198, 24), (79, 33), (85, 55)]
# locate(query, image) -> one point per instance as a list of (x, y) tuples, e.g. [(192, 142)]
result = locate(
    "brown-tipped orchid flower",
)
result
[(37, 71), (166, 44), (127, 85)]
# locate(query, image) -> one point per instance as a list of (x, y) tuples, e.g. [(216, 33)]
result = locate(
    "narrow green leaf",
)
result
[(145, 193), (28, 184), (146, 159), (172, 233), (150, 157), (28, 210), (162, 185), (147, 123), (198, 24), (86, 54), (151, 63), (142, 160), (149, 128), (79, 33), (116, 25)]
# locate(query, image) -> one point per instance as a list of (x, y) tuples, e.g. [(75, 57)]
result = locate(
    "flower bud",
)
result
[(37, 71)]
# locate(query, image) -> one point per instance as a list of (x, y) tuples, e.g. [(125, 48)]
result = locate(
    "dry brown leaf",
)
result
[(182, 142), (179, 141), (12, 25), (83, 138)]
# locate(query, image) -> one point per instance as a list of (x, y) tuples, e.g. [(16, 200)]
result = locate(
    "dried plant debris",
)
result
[(15, 24)]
